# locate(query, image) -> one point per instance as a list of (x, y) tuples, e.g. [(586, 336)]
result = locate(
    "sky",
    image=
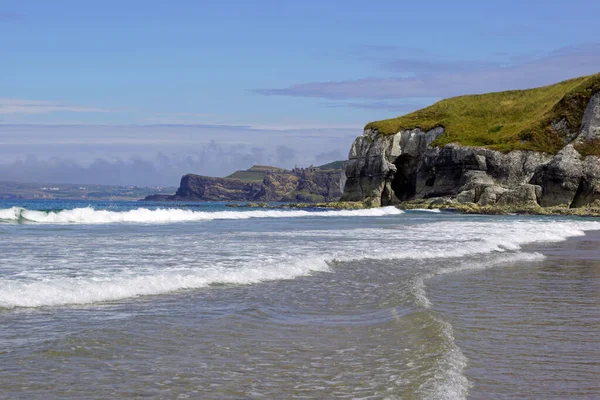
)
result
[(141, 92)]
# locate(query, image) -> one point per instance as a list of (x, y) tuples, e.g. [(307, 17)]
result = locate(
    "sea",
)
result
[(128, 300)]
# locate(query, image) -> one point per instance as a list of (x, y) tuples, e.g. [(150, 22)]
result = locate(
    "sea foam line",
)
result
[(419, 286), (89, 215), (94, 289), (449, 380)]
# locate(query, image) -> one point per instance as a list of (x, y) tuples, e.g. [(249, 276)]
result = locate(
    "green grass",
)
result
[(589, 148), (505, 121), (249, 176), (264, 168), (256, 173), (332, 165)]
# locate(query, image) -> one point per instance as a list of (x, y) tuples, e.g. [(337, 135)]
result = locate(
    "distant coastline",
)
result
[(262, 183), (70, 191)]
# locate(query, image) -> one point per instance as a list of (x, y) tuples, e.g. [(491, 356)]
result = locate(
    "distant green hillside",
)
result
[(257, 173), (250, 176), (333, 165), (505, 121), (53, 191)]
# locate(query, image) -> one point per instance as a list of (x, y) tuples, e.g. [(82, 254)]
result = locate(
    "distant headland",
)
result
[(262, 183)]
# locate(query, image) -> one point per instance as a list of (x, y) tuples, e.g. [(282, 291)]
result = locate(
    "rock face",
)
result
[(388, 169), (301, 185), (197, 187), (590, 126), (384, 168)]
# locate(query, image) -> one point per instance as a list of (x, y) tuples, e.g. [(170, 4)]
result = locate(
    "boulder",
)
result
[(590, 125), (523, 195), (560, 178), (490, 195), (466, 196), (589, 186)]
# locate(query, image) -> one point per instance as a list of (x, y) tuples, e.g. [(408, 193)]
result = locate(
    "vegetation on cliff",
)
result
[(505, 121), (256, 173), (332, 165)]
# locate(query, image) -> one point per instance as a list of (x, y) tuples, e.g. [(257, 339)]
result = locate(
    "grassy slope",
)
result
[(249, 176), (332, 165), (505, 121), (257, 173)]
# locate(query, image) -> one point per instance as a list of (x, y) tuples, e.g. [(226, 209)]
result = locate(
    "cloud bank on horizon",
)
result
[(157, 154), (154, 91)]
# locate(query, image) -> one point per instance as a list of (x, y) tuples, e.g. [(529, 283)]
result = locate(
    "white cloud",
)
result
[(20, 106), (428, 76), (157, 154)]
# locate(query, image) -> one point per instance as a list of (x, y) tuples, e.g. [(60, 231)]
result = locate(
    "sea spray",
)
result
[(90, 215), (56, 291)]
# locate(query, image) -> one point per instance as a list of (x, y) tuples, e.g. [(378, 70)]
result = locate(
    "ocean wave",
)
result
[(90, 215), (106, 268), (94, 289), (448, 380), (456, 240), (418, 285)]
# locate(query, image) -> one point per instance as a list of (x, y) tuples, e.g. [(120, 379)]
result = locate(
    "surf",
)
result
[(89, 215)]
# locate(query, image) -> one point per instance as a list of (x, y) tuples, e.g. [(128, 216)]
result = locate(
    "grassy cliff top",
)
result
[(505, 121), (332, 165), (257, 173), (264, 168)]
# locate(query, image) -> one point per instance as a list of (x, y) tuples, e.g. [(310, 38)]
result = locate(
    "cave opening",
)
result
[(404, 183)]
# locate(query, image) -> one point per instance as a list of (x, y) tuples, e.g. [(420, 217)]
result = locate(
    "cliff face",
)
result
[(301, 185), (386, 169), (197, 187)]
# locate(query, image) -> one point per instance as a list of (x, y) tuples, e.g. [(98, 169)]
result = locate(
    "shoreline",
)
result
[(452, 206), (446, 205), (520, 209)]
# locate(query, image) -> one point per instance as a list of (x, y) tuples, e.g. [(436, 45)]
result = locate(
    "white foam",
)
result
[(449, 381), (459, 238), (10, 214), (89, 215), (418, 286), (70, 269), (83, 290)]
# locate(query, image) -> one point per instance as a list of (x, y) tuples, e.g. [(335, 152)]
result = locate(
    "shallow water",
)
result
[(108, 300)]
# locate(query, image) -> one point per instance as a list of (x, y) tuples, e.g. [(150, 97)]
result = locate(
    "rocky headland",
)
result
[(535, 150), (264, 184)]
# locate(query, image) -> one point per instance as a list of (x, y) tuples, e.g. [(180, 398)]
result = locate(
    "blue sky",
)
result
[(261, 81)]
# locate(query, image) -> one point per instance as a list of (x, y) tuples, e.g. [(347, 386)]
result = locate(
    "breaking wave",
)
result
[(91, 289), (418, 286), (71, 270), (89, 215)]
